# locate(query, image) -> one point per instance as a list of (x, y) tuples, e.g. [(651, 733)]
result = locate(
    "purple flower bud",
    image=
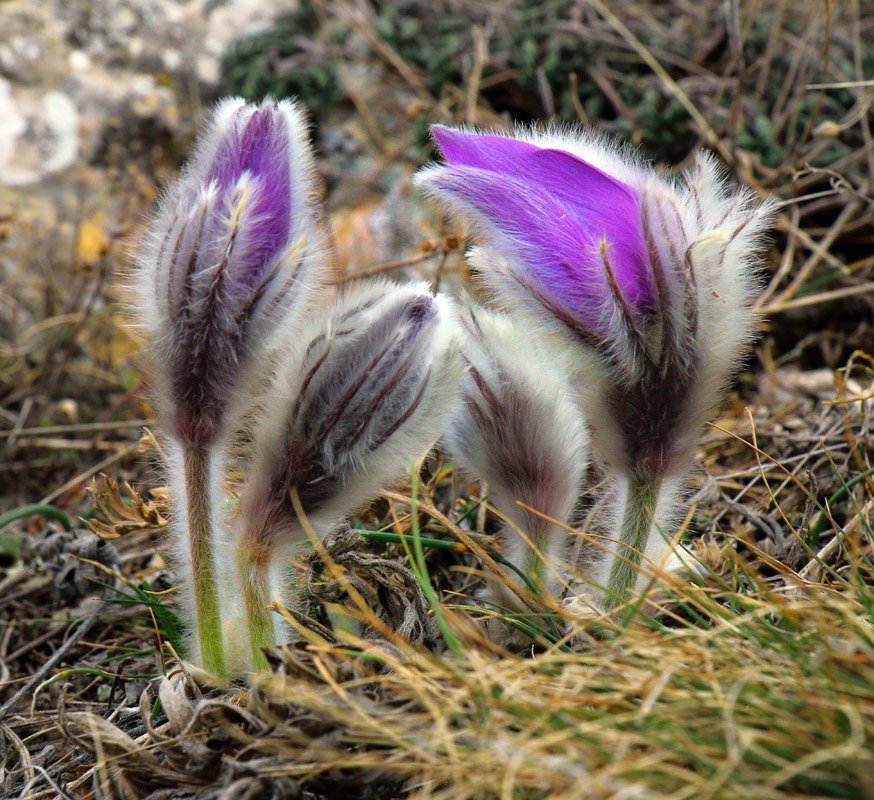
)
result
[(517, 428), (232, 258), (371, 388), (647, 282)]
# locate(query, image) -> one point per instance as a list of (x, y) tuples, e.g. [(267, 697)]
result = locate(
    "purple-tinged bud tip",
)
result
[(233, 259), (250, 173)]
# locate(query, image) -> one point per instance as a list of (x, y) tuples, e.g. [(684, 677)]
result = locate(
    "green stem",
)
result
[(534, 563), (637, 520), (254, 557), (417, 562), (36, 508), (206, 597)]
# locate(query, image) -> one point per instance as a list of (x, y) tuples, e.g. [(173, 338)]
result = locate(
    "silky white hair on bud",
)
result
[(516, 428), (369, 389), (724, 250), (232, 259), (194, 299)]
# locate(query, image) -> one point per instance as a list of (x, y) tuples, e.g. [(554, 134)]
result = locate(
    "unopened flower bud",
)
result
[(516, 427), (371, 389), (232, 258), (231, 261)]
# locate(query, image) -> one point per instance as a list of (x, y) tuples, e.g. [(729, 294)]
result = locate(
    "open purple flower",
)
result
[(572, 224), (646, 283)]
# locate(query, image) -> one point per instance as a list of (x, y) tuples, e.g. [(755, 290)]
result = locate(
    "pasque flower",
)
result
[(370, 388), (646, 282), (232, 257), (231, 260), (516, 428)]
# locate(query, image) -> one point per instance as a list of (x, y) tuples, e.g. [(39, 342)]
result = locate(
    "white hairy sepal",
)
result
[(364, 396), (244, 326), (516, 427), (722, 234)]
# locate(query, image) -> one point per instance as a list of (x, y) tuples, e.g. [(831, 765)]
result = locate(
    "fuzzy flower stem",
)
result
[(534, 566), (637, 515), (206, 597), (254, 558)]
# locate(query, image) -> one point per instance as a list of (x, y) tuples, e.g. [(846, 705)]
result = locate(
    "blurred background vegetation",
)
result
[(530, 60)]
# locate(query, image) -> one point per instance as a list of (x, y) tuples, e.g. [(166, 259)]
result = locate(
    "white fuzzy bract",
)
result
[(516, 428), (367, 393)]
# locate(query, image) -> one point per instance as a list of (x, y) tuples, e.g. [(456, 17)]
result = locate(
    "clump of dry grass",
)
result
[(765, 694), (757, 682)]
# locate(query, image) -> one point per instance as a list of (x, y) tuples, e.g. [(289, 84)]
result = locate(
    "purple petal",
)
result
[(562, 252), (562, 209), (495, 153), (260, 151), (558, 171)]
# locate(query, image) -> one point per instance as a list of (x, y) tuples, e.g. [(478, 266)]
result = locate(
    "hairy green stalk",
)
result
[(535, 567), (195, 459), (637, 521), (254, 567)]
